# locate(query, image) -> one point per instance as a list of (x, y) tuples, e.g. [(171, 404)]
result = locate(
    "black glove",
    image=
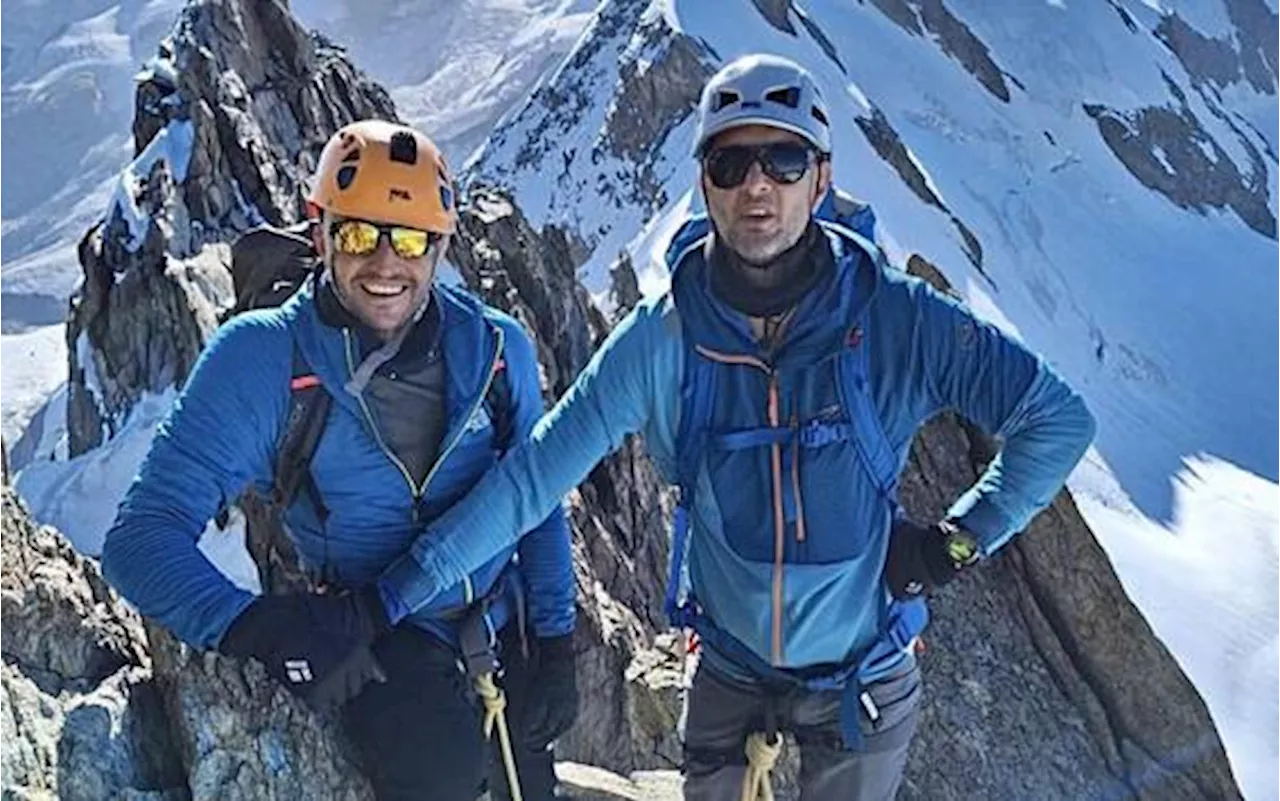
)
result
[(922, 559), (553, 692), (315, 645)]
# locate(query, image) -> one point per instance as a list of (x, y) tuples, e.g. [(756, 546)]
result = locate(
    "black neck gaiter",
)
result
[(767, 290)]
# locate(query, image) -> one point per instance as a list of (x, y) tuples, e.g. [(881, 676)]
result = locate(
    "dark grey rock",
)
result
[(1165, 149), (80, 715), (951, 35), (63, 626), (242, 737)]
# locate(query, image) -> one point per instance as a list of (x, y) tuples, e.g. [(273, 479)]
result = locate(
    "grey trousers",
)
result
[(720, 713)]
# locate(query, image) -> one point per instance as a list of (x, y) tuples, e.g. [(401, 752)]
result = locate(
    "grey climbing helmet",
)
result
[(762, 89)]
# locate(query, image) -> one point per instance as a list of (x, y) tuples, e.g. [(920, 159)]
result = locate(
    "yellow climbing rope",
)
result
[(495, 705), (762, 755)]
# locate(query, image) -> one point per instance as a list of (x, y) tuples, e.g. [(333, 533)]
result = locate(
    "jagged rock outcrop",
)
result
[(63, 626), (619, 513), (1168, 151), (231, 115), (239, 735), (79, 714)]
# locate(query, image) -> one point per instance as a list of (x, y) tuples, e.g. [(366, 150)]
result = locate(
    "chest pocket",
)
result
[(798, 461)]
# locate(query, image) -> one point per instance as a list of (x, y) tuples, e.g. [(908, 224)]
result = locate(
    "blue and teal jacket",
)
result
[(220, 439), (786, 550)]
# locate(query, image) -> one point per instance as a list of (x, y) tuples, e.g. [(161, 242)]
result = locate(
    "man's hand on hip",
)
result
[(925, 558), (318, 646)]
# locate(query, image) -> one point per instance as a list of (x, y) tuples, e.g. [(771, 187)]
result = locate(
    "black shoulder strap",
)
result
[(499, 403), (309, 404)]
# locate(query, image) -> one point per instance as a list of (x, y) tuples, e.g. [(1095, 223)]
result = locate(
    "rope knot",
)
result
[(495, 705), (762, 756)]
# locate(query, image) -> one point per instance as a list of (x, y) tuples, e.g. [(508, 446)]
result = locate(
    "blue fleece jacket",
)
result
[(220, 439)]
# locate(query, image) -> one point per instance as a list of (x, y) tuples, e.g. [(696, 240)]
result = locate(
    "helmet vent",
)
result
[(725, 98), (345, 176), (819, 116), (404, 148), (789, 97)]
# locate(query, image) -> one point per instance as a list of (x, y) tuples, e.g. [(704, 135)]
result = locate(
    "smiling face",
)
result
[(760, 217), (383, 290)]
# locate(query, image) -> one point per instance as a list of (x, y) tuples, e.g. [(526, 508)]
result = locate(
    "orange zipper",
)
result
[(779, 523)]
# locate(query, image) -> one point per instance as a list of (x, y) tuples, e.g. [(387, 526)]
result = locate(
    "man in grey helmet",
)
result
[(779, 384)]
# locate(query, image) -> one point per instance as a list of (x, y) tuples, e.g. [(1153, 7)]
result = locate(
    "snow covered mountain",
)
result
[(1099, 178), (67, 108), (452, 66)]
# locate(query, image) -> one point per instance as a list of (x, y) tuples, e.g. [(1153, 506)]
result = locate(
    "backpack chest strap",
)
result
[(815, 434)]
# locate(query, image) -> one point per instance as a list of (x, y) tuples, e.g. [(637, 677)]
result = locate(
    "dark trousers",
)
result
[(419, 733), (720, 713)]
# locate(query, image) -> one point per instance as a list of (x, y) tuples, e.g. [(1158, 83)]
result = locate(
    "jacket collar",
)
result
[(824, 318), (462, 335)]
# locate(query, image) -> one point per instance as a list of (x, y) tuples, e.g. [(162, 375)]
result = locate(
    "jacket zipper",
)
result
[(417, 492), (779, 523)]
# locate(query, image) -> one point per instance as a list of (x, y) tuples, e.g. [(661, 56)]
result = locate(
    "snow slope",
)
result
[(33, 365)]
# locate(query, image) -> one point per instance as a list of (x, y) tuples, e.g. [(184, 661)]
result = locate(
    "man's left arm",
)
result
[(990, 378), (546, 558)]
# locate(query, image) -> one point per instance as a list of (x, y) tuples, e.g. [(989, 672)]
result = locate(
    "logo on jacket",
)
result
[(479, 421), (298, 670)]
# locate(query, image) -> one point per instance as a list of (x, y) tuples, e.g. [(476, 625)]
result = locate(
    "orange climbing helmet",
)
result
[(385, 172)]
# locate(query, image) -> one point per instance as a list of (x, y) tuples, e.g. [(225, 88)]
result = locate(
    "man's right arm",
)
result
[(615, 395), (218, 438)]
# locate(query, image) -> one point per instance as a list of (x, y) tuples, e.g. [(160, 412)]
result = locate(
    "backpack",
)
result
[(905, 620), (268, 265)]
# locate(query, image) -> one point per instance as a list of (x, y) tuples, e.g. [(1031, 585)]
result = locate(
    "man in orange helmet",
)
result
[(366, 404)]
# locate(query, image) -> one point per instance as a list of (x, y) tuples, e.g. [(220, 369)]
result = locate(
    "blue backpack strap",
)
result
[(846, 210), (697, 391), (872, 443), (904, 620)]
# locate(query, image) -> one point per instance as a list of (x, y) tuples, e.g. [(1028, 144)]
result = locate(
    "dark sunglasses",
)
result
[(784, 162), (361, 237)]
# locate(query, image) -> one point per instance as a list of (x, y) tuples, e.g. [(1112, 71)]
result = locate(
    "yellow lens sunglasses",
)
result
[(361, 237)]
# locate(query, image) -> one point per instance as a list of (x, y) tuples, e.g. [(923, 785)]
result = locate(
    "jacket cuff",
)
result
[(558, 648), (980, 516), (558, 626), (403, 588)]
